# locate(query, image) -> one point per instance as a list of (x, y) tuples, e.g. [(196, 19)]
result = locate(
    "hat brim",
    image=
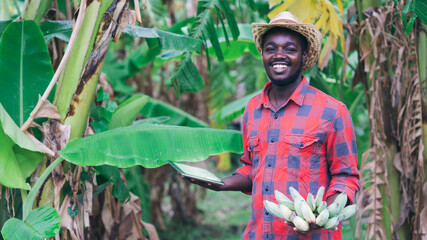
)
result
[(309, 31)]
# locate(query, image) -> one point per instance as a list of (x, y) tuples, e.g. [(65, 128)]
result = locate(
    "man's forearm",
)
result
[(237, 182)]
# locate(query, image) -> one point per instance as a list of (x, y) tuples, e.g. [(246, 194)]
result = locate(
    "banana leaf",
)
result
[(167, 40), (25, 69), (3, 25), (150, 146), (421, 10), (40, 224), (19, 156)]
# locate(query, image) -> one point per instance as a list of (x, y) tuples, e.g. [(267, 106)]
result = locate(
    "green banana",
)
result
[(311, 202), (298, 205), (322, 218), (272, 208), (282, 199), (295, 194), (348, 211), (300, 224), (333, 222), (287, 213), (330, 224), (319, 196), (322, 206), (338, 204), (307, 213), (342, 200), (333, 209)]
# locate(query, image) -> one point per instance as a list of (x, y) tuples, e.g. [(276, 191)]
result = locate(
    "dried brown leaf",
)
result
[(48, 110)]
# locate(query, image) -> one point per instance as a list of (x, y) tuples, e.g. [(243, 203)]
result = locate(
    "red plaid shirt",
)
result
[(309, 142)]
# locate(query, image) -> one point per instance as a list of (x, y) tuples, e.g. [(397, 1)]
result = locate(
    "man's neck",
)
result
[(279, 95)]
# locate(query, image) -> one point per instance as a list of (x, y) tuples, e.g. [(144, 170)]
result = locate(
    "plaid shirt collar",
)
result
[(297, 96)]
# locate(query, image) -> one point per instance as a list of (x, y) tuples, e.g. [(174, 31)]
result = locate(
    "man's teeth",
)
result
[(278, 66)]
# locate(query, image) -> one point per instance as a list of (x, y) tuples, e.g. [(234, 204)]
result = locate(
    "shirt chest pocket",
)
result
[(303, 145)]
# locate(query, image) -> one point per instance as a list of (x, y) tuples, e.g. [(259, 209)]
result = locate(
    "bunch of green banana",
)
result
[(302, 212)]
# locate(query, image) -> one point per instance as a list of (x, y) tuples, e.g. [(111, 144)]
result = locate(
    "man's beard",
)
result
[(288, 80)]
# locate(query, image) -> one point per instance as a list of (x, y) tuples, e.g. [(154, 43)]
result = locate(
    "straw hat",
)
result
[(289, 21)]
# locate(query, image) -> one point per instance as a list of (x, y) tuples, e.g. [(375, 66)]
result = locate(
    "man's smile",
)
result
[(279, 67)]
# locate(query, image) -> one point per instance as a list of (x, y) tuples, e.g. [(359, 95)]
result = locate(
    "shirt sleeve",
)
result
[(246, 169), (342, 155)]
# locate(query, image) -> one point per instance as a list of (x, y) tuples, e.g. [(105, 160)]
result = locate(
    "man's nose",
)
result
[(280, 53)]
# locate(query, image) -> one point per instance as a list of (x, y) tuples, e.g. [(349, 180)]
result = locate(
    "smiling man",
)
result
[(293, 134)]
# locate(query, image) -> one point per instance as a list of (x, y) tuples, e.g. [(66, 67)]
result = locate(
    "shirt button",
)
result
[(272, 141), (266, 189), (301, 144), (275, 117), (267, 213), (269, 164)]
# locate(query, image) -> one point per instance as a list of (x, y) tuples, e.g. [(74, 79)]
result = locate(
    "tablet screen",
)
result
[(196, 173)]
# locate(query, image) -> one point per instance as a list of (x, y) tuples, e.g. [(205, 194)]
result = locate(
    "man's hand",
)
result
[(312, 226), (236, 182), (208, 185)]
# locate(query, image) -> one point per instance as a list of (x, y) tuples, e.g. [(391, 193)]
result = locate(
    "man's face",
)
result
[(283, 56)]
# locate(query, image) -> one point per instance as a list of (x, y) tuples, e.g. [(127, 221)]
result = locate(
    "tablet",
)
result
[(196, 173)]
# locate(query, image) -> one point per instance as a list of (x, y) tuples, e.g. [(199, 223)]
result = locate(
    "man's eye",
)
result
[(269, 49), (290, 49)]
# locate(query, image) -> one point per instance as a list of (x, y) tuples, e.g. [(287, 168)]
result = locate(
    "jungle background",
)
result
[(97, 95)]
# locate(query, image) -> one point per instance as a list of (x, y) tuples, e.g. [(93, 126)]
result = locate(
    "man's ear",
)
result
[(304, 56)]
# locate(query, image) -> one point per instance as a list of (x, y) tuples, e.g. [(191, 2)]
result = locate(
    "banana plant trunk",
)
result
[(76, 86)]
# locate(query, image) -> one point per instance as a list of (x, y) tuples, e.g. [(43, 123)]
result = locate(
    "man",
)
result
[(293, 134)]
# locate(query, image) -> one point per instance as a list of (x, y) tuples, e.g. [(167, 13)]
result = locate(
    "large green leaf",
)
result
[(19, 156), (41, 223), (150, 146), (157, 108), (3, 25), (25, 69), (167, 40), (127, 111)]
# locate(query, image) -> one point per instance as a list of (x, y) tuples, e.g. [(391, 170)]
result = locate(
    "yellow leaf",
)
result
[(283, 7), (339, 2)]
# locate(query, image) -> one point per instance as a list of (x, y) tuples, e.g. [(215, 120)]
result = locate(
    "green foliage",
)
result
[(187, 76), (112, 174), (102, 116), (40, 224), (127, 111), (59, 29), (176, 116), (235, 108), (140, 187), (19, 156), (421, 10), (25, 69)]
